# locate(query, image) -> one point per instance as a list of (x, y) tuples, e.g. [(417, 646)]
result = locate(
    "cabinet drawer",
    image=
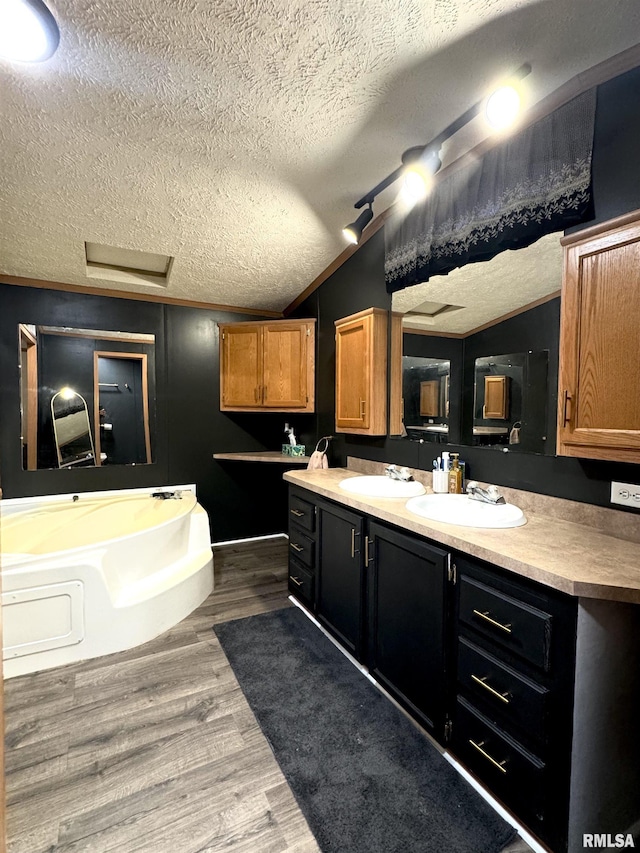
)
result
[(302, 513), (301, 547), (516, 626), (301, 582), (516, 699), (512, 772)]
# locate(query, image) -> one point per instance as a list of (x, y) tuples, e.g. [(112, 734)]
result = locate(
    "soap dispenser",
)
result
[(455, 476)]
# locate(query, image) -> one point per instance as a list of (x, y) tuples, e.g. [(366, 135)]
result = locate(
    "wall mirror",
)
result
[(510, 401), (425, 396), (87, 397), (468, 308)]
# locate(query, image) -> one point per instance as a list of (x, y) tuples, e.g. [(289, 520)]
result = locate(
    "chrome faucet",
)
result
[(398, 473), (490, 495)]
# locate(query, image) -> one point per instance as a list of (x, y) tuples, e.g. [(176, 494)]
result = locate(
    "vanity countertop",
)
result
[(573, 557), (264, 456)]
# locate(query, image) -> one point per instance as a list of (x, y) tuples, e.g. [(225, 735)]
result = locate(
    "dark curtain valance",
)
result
[(536, 182)]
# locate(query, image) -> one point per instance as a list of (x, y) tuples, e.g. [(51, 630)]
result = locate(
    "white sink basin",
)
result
[(460, 509), (381, 487)]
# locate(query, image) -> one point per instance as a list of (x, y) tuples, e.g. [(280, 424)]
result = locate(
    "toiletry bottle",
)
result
[(445, 460), (455, 476)]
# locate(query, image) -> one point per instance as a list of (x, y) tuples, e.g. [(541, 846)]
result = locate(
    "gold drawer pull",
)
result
[(498, 764), (363, 404), (297, 581), (504, 697), (295, 547), (485, 615), (297, 513)]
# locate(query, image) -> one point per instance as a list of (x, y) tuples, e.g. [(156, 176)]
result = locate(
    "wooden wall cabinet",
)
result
[(430, 398), (267, 365), (361, 373), (496, 397), (599, 372)]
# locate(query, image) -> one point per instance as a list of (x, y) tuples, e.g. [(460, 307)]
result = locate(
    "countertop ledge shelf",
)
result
[(264, 456), (565, 555)]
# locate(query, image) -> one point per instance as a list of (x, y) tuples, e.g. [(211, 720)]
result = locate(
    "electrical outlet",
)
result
[(625, 494)]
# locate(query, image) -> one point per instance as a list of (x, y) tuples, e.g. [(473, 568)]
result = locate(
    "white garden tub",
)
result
[(89, 574)]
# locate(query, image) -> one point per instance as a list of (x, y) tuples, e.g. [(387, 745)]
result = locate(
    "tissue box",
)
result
[(293, 449)]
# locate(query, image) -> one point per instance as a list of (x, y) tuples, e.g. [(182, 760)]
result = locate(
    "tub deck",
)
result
[(88, 575)]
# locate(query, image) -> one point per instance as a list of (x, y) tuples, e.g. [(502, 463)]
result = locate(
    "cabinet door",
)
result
[(430, 398), (361, 373), (353, 365), (241, 366), (286, 365), (599, 378), (407, 607), (340, 575)]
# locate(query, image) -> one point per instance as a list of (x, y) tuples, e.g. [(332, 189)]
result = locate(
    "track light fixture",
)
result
[(420, 163), (353, 232)]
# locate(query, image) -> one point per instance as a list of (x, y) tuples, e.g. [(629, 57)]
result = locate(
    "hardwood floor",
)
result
[(154, 750)]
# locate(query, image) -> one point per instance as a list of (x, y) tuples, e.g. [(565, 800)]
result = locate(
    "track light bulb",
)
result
[(28, 31), (502, 107), (417, 184), (353, 232)]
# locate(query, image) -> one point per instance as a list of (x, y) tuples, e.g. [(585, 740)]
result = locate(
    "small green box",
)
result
[(293, 449)]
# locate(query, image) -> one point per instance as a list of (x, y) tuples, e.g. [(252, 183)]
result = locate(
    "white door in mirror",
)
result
[(461, 510)]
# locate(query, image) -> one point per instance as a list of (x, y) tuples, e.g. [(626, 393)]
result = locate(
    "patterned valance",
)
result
[(536, 182)]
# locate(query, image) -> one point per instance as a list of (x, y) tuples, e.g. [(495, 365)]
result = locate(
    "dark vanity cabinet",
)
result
[(533, 691), (381, 593), (341, 581), (407, 608), (512, 715), (302, 548)]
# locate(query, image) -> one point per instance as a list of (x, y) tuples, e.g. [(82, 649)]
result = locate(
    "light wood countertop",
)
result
[(568, 556), (264, 456)]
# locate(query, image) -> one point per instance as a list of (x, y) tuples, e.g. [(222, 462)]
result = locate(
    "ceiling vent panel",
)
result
[(128, 266)]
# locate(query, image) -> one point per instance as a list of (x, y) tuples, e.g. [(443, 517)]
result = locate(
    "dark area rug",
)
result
[(365, 778)]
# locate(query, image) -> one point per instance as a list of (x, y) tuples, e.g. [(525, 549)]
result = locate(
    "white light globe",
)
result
[(28, 31), (416, 185), (502, 107)]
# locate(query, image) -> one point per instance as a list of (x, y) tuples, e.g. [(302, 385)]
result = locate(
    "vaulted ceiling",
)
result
[(236, 135)]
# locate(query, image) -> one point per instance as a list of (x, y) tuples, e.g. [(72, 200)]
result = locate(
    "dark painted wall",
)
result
[(242, 499)]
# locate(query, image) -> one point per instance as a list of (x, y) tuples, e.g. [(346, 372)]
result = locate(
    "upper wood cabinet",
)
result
[(496, 397), (361, 373), (599, 374), (267, 365)]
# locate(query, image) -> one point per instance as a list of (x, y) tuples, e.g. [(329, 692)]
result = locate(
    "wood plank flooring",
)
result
[(155, 750)]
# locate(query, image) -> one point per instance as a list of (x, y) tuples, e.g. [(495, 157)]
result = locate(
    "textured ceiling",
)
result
[(484, 291), (237, 135)]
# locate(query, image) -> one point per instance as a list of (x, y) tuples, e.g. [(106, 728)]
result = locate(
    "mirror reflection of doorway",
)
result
[(29, 396), (121, 408)]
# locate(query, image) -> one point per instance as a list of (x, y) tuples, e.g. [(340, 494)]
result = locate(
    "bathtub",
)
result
[(90, 574)]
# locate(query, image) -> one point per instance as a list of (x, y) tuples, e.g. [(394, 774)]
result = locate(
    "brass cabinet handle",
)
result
[(503, 697), (297, 513), (296, 547), (485, 615), (296, 580), (498, 764), (363, 404), (566, 413)]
